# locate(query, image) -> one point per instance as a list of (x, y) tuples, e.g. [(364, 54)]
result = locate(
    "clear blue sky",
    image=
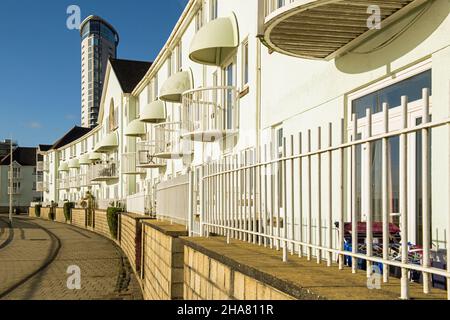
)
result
[(40, 58)]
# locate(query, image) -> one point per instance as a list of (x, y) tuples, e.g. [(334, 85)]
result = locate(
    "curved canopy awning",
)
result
[(155, 112), (108, 144), (63, 167), (215, 41), (74, 164), (84, 160), (94, 156), (136, 128), (325, 29), (176, 85)]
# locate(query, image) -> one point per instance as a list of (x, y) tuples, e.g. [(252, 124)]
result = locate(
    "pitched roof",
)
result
[(44, 147), (74, 134), (129, 72), (23, 156)]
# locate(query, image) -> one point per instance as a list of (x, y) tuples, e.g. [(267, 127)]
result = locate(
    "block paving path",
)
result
[(35, 256)]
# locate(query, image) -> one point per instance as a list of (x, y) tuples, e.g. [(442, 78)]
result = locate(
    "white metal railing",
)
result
[(15, 175), (85, 179), (296, 201), (14, 190), (271, 6), (63, 183), (172, 200), (40, 166), (104, 204), (140, 203), (74, 182), (42, 186), (104, 171), (46, 166), (212, 110), (146, 154), (169, 144)]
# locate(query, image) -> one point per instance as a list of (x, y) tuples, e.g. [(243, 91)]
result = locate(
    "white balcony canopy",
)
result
[(136, 128), (74, 164), (155, 112), (63, 167), (175, 86), (84, 160), (215, 41), (95, 156), (108, 144)]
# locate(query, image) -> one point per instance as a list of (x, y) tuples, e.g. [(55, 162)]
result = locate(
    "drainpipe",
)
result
[(260, 29)]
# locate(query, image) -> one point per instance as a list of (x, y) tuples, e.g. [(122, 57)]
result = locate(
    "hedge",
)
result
[(37, 210), (113, 220)]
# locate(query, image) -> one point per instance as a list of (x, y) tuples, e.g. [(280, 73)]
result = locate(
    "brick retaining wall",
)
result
[(163, 260)]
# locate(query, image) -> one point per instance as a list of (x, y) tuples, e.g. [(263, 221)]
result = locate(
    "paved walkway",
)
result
[(35, 256)]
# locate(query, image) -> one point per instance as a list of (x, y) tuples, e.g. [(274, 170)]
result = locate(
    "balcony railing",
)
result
[(42, 186), (146, 154), (40, 166), (130, 164), (85, 180), (169, 144), (15, 175), (75, 182), (105, 172), (63, 183), (14, 190), (210, 114)]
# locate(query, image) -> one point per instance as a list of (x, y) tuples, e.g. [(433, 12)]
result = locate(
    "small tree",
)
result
[(88, 203), (68, 206), (52, 212)]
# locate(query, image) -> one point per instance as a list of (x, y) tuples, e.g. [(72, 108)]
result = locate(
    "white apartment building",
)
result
[(274, 86), (23, 176)]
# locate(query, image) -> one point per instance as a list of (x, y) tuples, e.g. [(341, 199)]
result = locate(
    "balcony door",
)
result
[(229, 81), (412, 88)]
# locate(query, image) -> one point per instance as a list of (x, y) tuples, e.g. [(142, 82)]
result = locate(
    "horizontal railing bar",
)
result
[(336, 148)]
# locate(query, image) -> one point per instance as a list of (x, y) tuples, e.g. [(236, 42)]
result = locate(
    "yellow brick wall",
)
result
[(163, 266), (44, 213), (32, 212), (79, 218), (101, 223), (207, 279), (59, 217), (131, 239)]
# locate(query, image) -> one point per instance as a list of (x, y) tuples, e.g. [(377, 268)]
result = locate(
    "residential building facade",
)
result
[(268, 120), (23, 177)]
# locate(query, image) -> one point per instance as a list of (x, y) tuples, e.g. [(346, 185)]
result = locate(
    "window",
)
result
[(155, 88), (169, 65), (199, 20), (149, 92), (213, 12), (411, 87), (180, 56), (245, 67)]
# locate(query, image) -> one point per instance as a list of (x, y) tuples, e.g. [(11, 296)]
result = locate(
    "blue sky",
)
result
[(40, 58)]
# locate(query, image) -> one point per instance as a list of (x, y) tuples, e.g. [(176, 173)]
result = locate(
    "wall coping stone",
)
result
[(136, 216), (167, 228)]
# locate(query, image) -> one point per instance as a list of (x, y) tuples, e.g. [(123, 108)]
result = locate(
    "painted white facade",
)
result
[(282, 92)]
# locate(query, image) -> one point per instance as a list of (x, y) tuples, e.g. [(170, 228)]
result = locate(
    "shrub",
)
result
[(68, 206), (113, 220), (37, 210)]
